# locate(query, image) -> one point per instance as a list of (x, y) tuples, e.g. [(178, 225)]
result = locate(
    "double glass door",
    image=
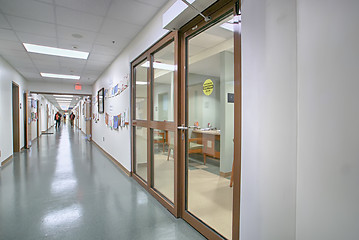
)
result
[(183, 98), (209, 117), (154, 125)]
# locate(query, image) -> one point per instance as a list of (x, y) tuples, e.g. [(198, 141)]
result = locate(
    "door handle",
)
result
[(182, 128)]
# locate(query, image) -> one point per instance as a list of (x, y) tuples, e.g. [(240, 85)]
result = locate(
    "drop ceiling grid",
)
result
[(106, 27)]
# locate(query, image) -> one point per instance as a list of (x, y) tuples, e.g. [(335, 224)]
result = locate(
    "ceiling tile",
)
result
[(18, 62), (9, 35), (44, 58), (105, 50), (11, 45), (96, 65), (13, 53), (67, 33), (132, 12), (4, 23), (29, 74), (32, 26), (95, 7), (71, 66), (74, 45), (115, 27), (100, 58), (28, 9), (45, 1), (154, 3), (90, 72), (76, 19), (115, 40), (36, 39), (46, 68), (70, 71)]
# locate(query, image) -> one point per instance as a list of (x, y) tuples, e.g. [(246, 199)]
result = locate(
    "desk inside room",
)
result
[(211, 142)]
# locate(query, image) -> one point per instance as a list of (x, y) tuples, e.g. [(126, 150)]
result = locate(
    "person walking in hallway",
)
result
[(58, 119), (72, 118)]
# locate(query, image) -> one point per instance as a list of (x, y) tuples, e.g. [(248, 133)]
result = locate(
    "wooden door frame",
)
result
[(150, 124), (216, 11), (16, 116), (26, 116), (38, 110), (197, 25)]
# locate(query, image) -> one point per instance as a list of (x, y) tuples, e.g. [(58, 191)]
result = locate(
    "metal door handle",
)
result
[(182, 127)]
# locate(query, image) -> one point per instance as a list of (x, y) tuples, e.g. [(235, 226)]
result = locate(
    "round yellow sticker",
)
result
[(208, 87)]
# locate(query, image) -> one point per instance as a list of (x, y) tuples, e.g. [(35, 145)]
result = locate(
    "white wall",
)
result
[(117, 142), (328, 131), (269, 120), (300, 167), (8, 75)]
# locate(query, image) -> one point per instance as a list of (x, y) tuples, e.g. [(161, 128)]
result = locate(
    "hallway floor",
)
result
[(64, 187)]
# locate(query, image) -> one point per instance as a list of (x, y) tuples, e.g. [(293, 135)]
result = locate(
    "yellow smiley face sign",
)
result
[(208, 87)]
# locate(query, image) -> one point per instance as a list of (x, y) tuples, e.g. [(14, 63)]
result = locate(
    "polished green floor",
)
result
[(64, 187)]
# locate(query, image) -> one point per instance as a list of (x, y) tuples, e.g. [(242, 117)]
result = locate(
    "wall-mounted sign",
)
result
[(78, 86), (230, 98), (208, 87)]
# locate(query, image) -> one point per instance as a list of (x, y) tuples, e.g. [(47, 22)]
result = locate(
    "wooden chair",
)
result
[(159, 137), (195, 146)]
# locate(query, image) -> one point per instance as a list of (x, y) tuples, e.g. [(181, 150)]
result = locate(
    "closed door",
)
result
[(209, 128)]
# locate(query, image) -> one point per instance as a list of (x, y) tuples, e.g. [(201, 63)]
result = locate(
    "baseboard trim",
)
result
[(6, 161), (113, 159), (223, 174)]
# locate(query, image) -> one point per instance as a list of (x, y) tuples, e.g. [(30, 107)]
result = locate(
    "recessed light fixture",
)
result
[(158, 65), (229, 25), (53, 75), (68, 99), (55, 51), (58, 95)]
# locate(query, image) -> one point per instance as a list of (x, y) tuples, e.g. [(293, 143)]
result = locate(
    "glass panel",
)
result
[(163, 84), (210, 112), (163, 163), (141, 152), (141, 90)]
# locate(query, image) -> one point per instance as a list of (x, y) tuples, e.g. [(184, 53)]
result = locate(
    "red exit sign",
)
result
[(78, 86)]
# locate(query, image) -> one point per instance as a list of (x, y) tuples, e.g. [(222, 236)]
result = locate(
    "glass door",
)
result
[(155, 80), (209, 131)]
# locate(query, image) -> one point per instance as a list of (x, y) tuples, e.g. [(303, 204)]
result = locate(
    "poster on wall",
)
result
[(106, 119), (115, 122)]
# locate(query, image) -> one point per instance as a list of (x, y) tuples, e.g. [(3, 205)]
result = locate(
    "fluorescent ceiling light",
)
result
[(62, 95), (227, 26), (158, 65), (55, 51), (52, 75), (64, 99), (141, 83), (230, 24)]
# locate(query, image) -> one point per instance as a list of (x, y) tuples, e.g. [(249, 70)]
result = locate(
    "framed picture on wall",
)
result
[(101, 100)]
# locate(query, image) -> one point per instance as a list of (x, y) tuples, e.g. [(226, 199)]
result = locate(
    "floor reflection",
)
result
[(66, 216)]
